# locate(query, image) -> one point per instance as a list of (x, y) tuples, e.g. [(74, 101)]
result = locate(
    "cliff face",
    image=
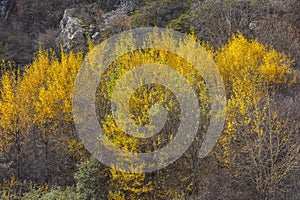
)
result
[(71, 31), (90, 21), (26, 25)]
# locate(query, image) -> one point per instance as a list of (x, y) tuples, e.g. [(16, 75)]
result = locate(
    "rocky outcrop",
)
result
[(71, 30), (90, 21)]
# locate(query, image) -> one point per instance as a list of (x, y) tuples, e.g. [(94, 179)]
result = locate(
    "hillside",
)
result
[(240, 57)]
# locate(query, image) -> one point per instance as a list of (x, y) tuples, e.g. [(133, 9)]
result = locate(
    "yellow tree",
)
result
[(141, 185), (39, 101), (12, 136), (53, 81), (19, 94), (257, 143)]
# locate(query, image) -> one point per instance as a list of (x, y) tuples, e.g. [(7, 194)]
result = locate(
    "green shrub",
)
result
[(59, 194), (56, 193), (34, 193), (182, 23), (159, 13), (92, 179)]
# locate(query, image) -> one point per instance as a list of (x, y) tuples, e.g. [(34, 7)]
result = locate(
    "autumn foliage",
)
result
[(257, 145)]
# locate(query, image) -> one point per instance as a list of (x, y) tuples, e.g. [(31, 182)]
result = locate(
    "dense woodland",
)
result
[(256, 47)]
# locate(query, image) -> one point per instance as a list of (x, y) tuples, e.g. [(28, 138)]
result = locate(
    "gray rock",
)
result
[(71, 31), (96, 36), (79, 24), (254, 26)]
